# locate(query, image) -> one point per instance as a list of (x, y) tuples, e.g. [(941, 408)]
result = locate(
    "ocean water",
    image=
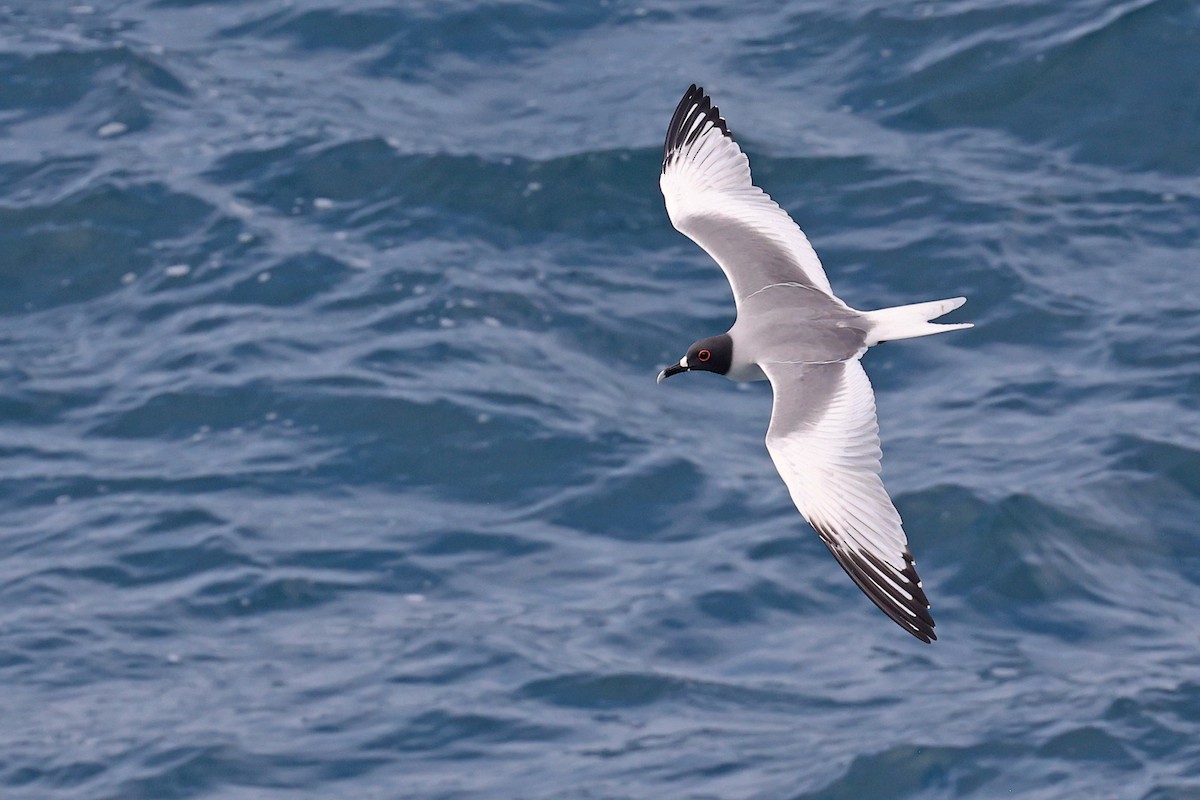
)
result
[(333, 463)]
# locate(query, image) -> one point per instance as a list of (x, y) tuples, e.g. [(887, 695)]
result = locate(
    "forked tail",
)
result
[(909, 322)]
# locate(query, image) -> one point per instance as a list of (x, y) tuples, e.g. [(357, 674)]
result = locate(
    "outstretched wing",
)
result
[(712, 199), (824, 440)]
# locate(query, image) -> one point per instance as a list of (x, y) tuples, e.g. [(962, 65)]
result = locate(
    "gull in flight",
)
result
[(794, 332)]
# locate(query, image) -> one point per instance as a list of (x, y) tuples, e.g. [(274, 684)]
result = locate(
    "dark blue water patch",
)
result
[(254, 596), (326, 28), (617, 690), (1001, 561), (192, 415), (171, 4), (1142, 727), (149, 566), (280, 588), (1044, 396), (653, 502), (686, 647), (294, 280), (389, 196), (1180, 791), (1161, 219), (60, 777), (361, 560), (856, 193), (445, 662), (110, 84), (912, 770), (449, 735), (1093, 744), (40, 183), (753, 604), (1085, 93), (180, 771), (1180, 702), (1170, 341), (457, 543), (415, 46), (25, 404), (180, 519), (727, 606), (391, 441), (38, 491), (376, 295), (779, 547), (602, 691), (77, 248), (1156, 460), (1152, 718), (794, 35)]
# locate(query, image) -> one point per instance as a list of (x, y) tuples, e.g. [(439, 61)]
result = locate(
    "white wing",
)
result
[(824, 440), (711, 199)]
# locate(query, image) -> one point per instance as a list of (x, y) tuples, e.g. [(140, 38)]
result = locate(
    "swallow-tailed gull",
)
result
[(793, 331)]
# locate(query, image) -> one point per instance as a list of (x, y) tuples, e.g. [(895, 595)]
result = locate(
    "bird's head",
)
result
[(714, 354)]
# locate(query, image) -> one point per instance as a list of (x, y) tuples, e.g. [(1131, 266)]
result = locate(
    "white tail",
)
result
[(909, 322)]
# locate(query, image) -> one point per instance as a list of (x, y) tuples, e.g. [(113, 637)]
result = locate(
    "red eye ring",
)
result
[(704, 355)]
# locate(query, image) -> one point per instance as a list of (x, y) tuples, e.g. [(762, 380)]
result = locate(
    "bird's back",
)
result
[(791, 323)]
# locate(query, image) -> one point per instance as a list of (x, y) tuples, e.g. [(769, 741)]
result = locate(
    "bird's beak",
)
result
[(674, 369)]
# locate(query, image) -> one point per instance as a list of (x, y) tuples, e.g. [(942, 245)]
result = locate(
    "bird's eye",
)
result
[(704, 355)]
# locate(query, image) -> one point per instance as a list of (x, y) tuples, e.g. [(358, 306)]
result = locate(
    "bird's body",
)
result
[(793, 331)]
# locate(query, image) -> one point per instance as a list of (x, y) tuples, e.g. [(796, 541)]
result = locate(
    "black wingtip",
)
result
[(863, 568), (683, 129)]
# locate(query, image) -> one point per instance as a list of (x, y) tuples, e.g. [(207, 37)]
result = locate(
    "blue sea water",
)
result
[(333, 464)]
